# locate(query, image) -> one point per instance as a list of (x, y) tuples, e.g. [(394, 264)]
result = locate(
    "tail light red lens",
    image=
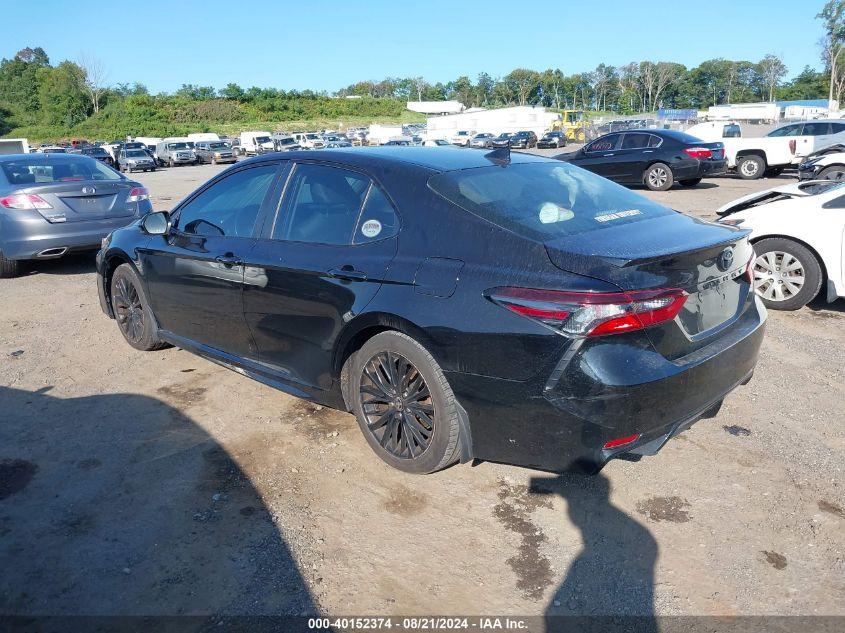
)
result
[(698, 152), (592, 313), (749, 268), (25, 201), (621, 441), (137, 194)]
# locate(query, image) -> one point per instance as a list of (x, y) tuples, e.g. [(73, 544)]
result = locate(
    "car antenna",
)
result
[(500, 156)]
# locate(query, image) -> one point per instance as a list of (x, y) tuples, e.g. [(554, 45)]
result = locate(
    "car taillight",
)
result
[(698, 152), (620, 441), (592, 313), (23, 201), (136, 194), (749, 268)]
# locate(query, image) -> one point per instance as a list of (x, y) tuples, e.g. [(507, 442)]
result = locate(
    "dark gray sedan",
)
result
[(52, 204)]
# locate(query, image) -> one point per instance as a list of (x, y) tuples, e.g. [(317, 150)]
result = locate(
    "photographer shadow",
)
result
[(611, 581)]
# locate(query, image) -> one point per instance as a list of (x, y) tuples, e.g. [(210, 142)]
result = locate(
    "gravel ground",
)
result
[(160, 483)]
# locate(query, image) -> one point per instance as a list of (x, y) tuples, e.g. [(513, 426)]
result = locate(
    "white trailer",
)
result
[(380, 134), (497, 121), (203, 136), (14, 146), (747, 112)]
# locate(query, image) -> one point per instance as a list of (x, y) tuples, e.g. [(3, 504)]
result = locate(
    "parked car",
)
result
[(254, 143), (552, 139), (53, 204), (654, 158), (503, 140), (335, 141), (462, 138), (214, 152), (285, 143), (97, 153), (130, 160), (482, 140), (798, 233), (523, 140), (601, 325), (309, 140), (171, 153), (827, 163)]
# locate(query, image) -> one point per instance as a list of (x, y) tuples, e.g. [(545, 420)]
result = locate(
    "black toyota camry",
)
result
[(462, 305)]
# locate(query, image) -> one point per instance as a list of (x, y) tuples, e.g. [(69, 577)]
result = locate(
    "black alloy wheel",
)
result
[(397, 405), (128, 310)]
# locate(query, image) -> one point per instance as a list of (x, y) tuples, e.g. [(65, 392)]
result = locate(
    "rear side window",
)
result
[(542, 201), (230, 206), (816, 129), (837, 128), (28, 171), (636, 141), (377, 220), (322, 205)]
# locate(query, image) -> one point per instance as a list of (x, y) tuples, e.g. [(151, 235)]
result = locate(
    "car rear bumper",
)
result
[(35, 238), (714, 167), (602, 390)]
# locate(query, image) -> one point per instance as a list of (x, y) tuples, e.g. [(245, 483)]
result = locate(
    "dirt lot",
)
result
[(160, 483)]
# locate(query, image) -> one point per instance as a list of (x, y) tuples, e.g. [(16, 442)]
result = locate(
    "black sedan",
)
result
[(462, 305), (654, 158), (523, 140), (552, 139), (503, 140)]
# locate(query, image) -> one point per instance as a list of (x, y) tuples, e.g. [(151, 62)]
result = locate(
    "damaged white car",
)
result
[(798, 233)]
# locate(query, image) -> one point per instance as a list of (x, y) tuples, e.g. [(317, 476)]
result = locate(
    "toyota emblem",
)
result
[(89, 190), (726, 258)]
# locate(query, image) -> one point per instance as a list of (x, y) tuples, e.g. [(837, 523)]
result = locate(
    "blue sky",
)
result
[(326, 45)]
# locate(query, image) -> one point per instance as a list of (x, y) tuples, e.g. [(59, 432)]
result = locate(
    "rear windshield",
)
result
[(23, 172), (543, 201)]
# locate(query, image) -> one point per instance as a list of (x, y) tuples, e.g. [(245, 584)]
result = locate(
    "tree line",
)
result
[(46, 100)]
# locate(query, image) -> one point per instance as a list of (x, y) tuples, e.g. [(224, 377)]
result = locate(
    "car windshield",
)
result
[(218, 146), (543, 201), (262, 139), (136, 153), (312, 137), (23, 171), (177, 146), (504, 135), (286, 141), (94, 151)]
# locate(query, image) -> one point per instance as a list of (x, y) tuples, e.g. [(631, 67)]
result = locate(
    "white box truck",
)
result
[(14, 146)]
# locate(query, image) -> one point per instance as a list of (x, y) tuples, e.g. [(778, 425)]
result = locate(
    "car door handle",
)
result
[(229, 260), (349, 274), (609, 154)]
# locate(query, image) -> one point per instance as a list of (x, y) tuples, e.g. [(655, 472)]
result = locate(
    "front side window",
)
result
[(789, 130), (322, 205), (230, 206), (604, 144)]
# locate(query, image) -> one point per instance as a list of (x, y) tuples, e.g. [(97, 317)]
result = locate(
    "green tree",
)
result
[(232, 92), (771, 70), (63, 101), (833, 43)]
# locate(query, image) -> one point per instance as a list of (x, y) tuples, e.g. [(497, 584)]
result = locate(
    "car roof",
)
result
[(43, 157), (434, 158)]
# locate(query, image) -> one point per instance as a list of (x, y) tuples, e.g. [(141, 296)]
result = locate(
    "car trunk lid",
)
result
[(82, 200), (706, 260)]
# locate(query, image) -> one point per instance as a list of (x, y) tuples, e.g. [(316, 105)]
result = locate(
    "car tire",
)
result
[(690, 182), (659, 177), (132, 311), (9, 267), (751, 167), (835, 172), (395, 429), (772, 255)]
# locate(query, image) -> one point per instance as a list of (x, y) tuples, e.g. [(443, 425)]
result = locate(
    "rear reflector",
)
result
[(698, 152), (137, 194), (620, 441), (592, 313), (24, 201)]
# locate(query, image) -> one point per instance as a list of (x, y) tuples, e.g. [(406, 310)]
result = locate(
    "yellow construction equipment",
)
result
[(573, 124)]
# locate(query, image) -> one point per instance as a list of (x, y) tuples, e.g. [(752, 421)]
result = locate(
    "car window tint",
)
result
[(322, 205), (377, 220), (816, 129), (635, 141), (788, 130), (230, 206), (837, 128), (34, 170), (654, 141), (604, 143)]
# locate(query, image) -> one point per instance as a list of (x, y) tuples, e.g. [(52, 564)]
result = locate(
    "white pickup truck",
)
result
[(769, 155)]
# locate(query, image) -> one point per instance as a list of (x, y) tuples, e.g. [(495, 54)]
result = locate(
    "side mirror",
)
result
[(157, 223)]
